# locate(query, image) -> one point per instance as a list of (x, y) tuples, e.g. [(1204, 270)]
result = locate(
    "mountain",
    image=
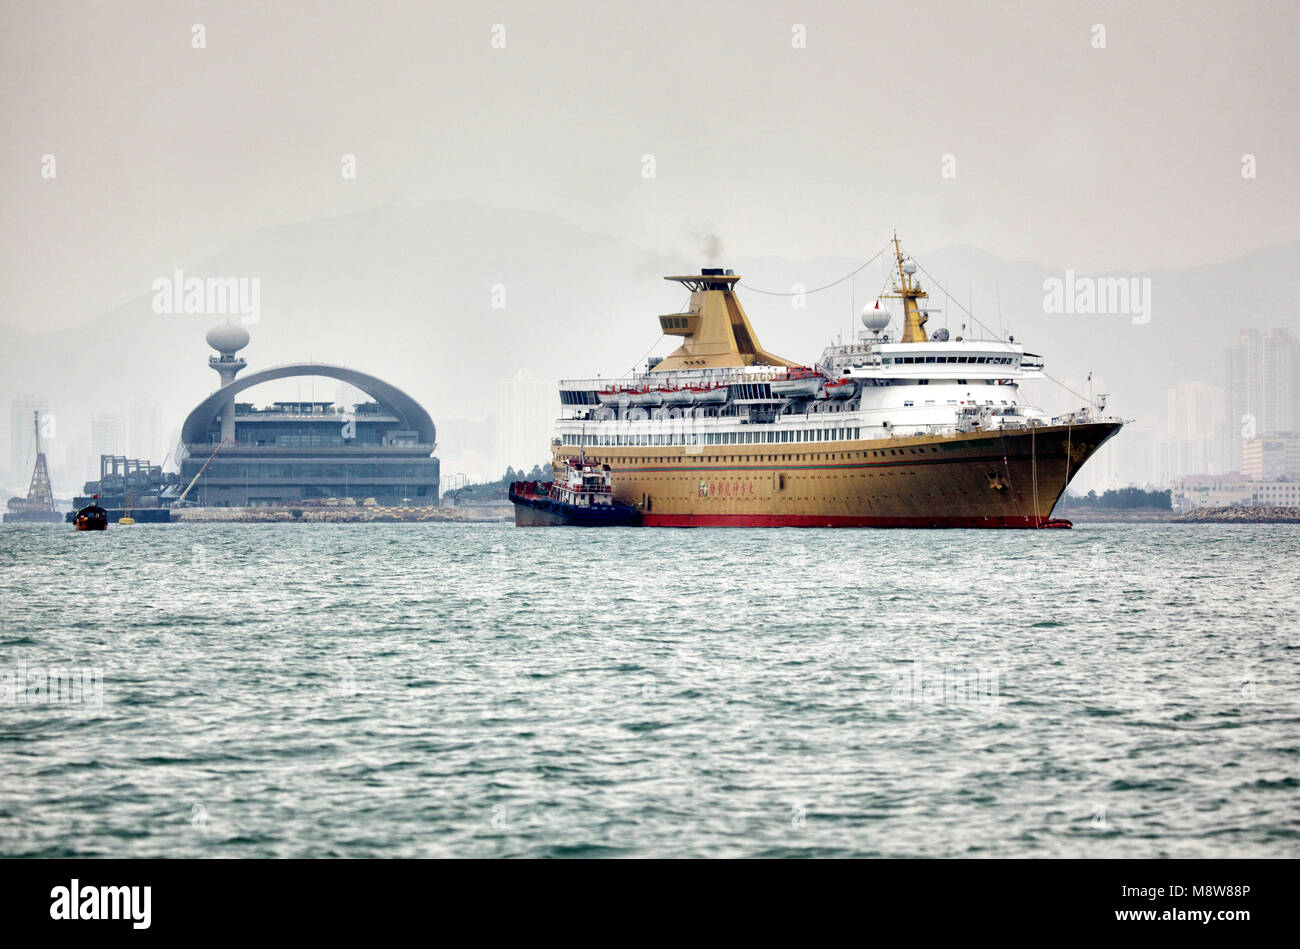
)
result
[(445, 300)]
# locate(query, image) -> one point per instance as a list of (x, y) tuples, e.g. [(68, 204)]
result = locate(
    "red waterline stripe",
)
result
[(833, 520)]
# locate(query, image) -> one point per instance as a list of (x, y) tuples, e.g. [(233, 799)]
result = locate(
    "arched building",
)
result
[(294, 452)]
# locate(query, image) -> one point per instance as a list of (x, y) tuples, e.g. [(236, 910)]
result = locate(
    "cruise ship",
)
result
[(902, 429)]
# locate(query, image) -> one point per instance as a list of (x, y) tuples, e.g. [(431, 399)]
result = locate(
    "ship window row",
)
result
[(980, 360), (578, 397), (758, 437), (257, 471), (308, 441)]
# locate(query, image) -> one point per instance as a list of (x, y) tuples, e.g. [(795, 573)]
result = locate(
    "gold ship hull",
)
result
[(1006, 478)]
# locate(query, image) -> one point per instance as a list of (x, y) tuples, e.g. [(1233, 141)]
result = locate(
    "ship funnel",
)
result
[(716, 332)]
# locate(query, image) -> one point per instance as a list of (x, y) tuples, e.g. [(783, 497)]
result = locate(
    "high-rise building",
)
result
[(107, 435), (1195, 436), (1263, 395), (77, 467), (144, 437), (22, 435), (525, 417), (1271, 458)]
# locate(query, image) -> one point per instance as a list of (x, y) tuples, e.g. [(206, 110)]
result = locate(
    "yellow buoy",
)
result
[(126, 520)]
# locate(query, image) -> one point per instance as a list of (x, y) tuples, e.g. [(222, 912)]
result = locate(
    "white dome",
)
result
[(227, 338), (909, 267), (875, 317)]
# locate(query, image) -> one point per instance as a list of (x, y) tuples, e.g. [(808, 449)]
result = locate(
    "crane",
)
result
[(179, 500)]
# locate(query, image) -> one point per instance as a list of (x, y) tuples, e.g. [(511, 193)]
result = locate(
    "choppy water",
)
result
[(434, 690)]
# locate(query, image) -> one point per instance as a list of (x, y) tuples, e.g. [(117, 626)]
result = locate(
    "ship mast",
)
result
[(909, 291)]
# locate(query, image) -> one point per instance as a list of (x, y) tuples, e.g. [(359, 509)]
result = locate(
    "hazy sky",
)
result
[(1121, 158)]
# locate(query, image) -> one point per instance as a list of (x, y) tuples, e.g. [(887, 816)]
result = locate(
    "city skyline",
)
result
[(1196, 436)]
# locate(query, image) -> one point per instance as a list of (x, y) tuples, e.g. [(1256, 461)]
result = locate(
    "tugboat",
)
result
[(583, 498), (92, 517)]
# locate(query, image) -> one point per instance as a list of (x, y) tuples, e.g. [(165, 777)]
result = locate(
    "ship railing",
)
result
[(687, 377)]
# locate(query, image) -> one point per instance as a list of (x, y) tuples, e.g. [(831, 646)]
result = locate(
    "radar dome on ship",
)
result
[(909, 267), (227, 338), (875, 317)]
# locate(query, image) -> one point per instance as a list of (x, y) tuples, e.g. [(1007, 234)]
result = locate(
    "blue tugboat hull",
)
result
[(540, 511)]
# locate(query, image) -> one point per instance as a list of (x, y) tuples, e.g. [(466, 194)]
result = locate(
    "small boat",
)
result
[(611, 396), (583, 498), (1058, 523), (707, 395), (644, 395), (838, 390), (92, 517), (797, 383), (672, 395)]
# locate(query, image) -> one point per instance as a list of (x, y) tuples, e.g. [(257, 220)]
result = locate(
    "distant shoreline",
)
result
[(1204, 515), (468, 514), (1241, 515), (1101, 515)]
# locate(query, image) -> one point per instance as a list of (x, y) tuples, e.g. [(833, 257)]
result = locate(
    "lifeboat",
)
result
[(797, 384), (841, 389), (611, 396), (707, 395), (644, 395), (672, 395), (92, 517)]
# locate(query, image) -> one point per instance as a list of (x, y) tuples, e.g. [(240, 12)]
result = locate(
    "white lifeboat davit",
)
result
[(674, 395), (614, 395)]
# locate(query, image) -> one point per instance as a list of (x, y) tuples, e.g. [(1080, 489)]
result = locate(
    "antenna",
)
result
[(1002, 326)]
